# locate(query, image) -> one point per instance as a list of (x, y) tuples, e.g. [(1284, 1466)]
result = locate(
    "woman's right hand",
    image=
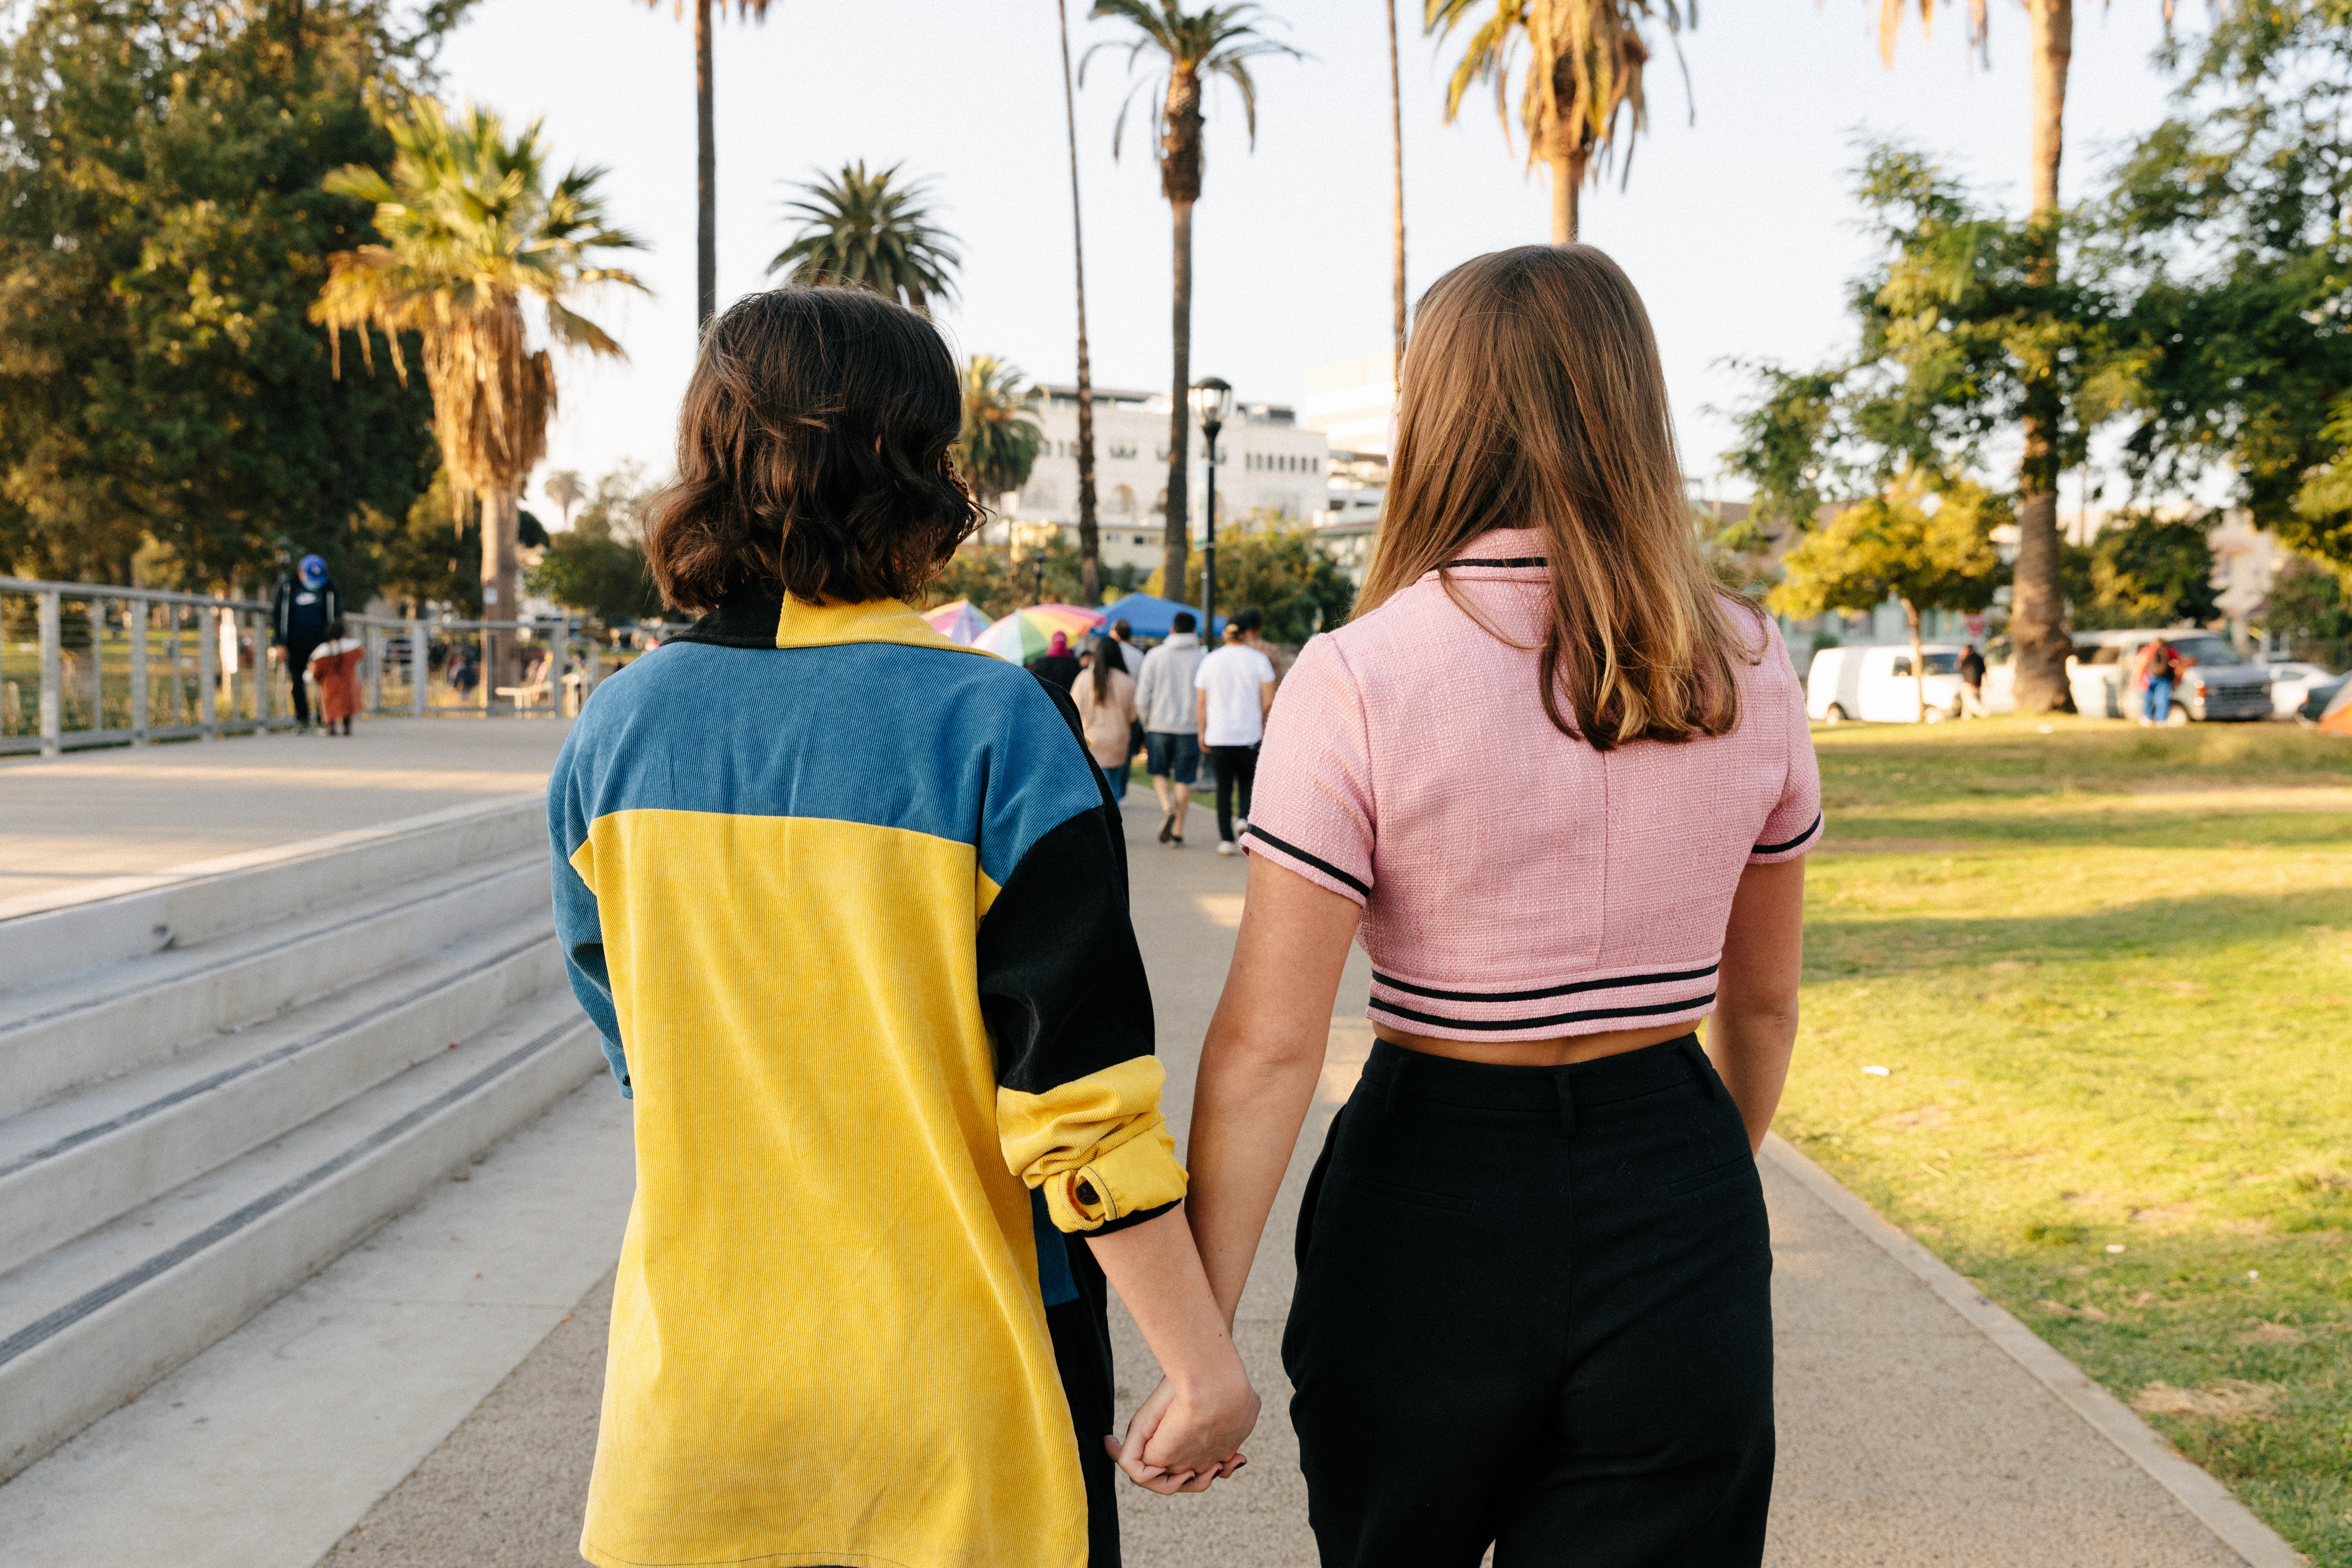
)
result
[(1186, 1436)]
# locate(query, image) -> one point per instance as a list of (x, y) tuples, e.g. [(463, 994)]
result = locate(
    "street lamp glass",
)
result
[(1213, 402)]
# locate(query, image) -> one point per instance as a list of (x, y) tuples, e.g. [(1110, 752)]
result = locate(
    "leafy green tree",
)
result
[(859, 231), (1582, 87), (1280, 568), (997, 584), (598, 565), (472, 228), (2310, 601), (429, 555), (1195, 47), (1000, 440), (705, 165), (2151, 572), (2228, 223), (162, 233), (1961, 327), (1923, 541)]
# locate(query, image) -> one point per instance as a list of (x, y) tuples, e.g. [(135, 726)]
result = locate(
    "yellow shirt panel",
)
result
[(818, 1157)]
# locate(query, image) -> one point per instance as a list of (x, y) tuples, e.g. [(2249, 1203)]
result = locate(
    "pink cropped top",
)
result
[(1518, 884)]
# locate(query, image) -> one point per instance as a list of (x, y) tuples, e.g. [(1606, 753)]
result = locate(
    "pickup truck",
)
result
[(2219, 684)]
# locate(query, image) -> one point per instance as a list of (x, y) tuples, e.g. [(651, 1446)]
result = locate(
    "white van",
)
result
[(1876, 684)]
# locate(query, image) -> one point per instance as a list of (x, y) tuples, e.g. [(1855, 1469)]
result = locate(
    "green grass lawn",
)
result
[(2110, 972)]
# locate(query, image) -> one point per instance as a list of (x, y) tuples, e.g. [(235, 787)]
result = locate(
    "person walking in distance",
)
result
[(876, 956), (1166, 702), (307, 610), (1972, 674), (1557, 782), (1106, 700), (1122, 636), (2158, 668), (1234, 688), (1057, 666)]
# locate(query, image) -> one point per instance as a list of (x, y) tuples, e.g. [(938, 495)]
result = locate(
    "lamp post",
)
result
[(1212, 405)]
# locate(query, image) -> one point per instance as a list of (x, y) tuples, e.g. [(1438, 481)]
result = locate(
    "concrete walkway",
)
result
[(397, 1412), (69, 823)]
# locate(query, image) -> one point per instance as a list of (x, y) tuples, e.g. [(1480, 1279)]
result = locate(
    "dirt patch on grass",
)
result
[(2270, 1334), (2230, 1399)]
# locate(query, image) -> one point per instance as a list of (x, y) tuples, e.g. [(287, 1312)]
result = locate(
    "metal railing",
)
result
[(86, 664)]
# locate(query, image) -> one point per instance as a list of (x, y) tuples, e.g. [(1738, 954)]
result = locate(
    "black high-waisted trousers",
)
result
[(1533, 1309)]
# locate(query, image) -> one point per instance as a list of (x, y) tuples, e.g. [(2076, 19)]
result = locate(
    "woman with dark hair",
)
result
[(1106, 698), (1558, 784), (867, 969)]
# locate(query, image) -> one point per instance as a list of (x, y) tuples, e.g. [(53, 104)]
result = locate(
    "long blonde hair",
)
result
[(1532, 397)]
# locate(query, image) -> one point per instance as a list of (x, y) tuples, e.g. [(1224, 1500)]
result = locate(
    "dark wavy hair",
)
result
[(814, 451)]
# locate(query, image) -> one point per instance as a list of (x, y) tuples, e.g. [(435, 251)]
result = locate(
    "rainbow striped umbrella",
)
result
[(1024, 633), (958, 622)]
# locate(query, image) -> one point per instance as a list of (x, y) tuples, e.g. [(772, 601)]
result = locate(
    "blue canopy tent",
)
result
[(1150, 615)]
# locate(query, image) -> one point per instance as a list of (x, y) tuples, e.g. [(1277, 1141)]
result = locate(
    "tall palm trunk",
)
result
[(501, 582), (1180, 182), (1090, 533), (2038, 609), (1567, 180), (1396, 158), (706, 176), (1176, 541)]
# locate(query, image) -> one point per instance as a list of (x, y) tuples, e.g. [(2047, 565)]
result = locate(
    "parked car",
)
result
[(1876, 684), (2217, 684), (2292, 682)]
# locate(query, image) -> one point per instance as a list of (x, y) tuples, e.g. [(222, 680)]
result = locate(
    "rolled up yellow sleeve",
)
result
[(1098, 1146)]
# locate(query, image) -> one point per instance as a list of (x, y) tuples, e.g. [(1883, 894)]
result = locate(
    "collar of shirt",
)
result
[(1500, 552)]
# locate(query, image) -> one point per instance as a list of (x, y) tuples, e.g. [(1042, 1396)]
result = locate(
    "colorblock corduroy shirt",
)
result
[(1518, 884), (848, 904)]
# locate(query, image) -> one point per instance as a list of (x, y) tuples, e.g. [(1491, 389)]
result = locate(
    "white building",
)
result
[(1351, 400), (1265, 462)]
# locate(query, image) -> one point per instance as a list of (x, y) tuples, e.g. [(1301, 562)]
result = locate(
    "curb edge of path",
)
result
[(2193, 1488)]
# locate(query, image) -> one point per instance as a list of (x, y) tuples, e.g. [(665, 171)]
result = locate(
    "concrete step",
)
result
[(100, 1023), (83, 1159), (88, 1325), (48, 936)]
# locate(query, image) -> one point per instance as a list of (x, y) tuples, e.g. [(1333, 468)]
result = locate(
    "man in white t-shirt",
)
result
[(1237, 688)]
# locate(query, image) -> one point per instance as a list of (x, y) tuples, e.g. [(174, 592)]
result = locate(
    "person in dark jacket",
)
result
[(306, 611), (1056, 666), (1972, 677)]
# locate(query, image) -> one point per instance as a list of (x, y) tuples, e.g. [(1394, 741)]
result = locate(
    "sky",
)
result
[(1737, 223)]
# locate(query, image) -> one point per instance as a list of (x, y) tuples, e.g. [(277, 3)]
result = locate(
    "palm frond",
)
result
[(471, 226), (860, 230)]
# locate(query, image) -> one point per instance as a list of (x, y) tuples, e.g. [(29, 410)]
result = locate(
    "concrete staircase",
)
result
[(211, 1088)]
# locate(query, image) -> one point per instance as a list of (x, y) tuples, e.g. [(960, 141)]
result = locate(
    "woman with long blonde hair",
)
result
[(1558, 785)]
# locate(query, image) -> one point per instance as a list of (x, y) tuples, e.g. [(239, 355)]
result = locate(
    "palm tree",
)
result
[(2037, 611), (1585, 62), (861, 232), (1197, 47), (706, 166), (1396, 151), (1000, 441), (567, 490), (471, 229), (1090, 533)]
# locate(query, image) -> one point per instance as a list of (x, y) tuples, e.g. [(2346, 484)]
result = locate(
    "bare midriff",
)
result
[(1535, 1053)]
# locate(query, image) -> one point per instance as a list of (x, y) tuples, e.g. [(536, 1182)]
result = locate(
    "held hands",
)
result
[(1181, 1440)]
